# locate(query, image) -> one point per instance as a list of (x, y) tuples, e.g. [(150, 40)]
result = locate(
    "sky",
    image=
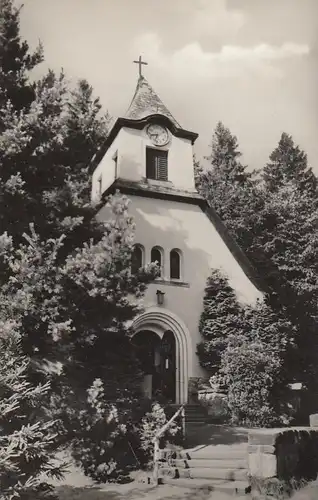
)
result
[(252, 64)]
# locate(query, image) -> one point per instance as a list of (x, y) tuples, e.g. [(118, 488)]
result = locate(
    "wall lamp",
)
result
[(160, 297)]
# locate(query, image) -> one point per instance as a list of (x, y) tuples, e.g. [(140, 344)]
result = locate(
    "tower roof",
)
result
[(146, 102)]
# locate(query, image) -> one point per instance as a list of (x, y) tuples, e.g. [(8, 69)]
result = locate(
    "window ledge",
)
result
[(178, 283), (157, 182)]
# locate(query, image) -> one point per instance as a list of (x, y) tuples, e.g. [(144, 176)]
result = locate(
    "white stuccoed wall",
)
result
[(131, 164), (171, 225)]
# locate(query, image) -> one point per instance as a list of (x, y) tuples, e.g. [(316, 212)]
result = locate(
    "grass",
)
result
[(165, 492), (78, 487), (273, 489), (142, 491)]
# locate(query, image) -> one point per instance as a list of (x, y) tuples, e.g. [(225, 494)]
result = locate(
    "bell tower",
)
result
[(148, 157), (146, 149)]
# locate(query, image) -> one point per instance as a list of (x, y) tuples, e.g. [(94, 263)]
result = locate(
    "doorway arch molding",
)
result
[(159, 321)]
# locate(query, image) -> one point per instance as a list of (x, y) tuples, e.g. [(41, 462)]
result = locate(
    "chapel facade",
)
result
[(148, 156)]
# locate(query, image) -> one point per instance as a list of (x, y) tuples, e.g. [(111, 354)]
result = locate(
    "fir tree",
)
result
[(15, 60), (64, 275), (27, 437), (198, 173), (78, 313), (231, 189), (273, 217), (249, 350), (44, 168), (288, 163), (225, 156), (222, 316)]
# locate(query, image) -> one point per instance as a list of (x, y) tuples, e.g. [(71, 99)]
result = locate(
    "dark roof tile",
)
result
[(146, 102)]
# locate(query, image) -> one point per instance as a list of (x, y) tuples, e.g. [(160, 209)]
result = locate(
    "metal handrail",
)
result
[(156, 439)]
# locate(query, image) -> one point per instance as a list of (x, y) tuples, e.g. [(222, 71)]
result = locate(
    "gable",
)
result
[(204, 243)]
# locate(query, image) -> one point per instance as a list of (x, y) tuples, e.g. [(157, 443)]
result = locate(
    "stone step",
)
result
[(195, 409), (205, 473), (226, 463), (199, 409), (214, 453), (238, 487), (195, 423), (199, 420), (195, 415)]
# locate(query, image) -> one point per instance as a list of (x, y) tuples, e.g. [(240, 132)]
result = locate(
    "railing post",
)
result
[(183, 422), (156, 440), (156, 457)]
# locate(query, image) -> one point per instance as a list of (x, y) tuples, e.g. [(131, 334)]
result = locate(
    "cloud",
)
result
[(192, 61), (215, 19), (207, 18)]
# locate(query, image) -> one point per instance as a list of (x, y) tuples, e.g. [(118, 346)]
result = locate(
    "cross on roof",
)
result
[(140, 62)]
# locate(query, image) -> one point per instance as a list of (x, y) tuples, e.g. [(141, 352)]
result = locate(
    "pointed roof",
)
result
[(146, 102)]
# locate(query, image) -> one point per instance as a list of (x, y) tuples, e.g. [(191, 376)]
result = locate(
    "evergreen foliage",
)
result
[(230, 188), (65, 276), (15, 60), (288, 163), (273, 216), (249, 351), (27, 437), (220, 318)]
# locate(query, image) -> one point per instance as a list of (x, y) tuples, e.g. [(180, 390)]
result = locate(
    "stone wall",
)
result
[(215, 404), (288, 453)]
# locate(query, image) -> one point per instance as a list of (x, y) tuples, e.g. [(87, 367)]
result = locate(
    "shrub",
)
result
[(151, 423), (220, 318), (110, 440), (251, 370), (101, 436), (249, 351), (27, 441)]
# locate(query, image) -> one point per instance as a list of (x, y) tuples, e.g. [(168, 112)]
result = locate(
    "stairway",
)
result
[(214, 467), (195, 417)]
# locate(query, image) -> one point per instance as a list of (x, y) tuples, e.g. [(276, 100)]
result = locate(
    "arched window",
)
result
[(137, 258), (157, 256), (175, 264)]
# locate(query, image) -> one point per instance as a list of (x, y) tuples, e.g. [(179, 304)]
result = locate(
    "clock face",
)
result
[(158, 135)]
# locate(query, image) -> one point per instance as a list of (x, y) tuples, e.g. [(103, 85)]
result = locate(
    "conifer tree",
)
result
[(231, 189), (15, 60), (249, 351), (273, 217), (225, 156), (27, 437), (290, 244), (288, 163), (64, 274), (221, 317)]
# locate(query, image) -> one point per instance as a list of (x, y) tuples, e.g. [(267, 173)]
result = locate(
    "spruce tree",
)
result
[(221, 317), (249, 350), (273, 216), (231, 189), (288, 163), (27, 435), (225, 156), (290, 244), (65, 275), (15, 60)]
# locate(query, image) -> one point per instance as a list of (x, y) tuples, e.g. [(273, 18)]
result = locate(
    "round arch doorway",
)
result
[(157, 355), (158, 321)]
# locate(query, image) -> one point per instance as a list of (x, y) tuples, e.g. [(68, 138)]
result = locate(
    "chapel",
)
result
[(148, 156)]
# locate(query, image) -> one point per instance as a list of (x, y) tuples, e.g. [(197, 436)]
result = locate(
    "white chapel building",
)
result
[(148, 156)]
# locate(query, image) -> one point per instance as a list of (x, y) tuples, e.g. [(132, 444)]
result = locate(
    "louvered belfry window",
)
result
[(156, 164)]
